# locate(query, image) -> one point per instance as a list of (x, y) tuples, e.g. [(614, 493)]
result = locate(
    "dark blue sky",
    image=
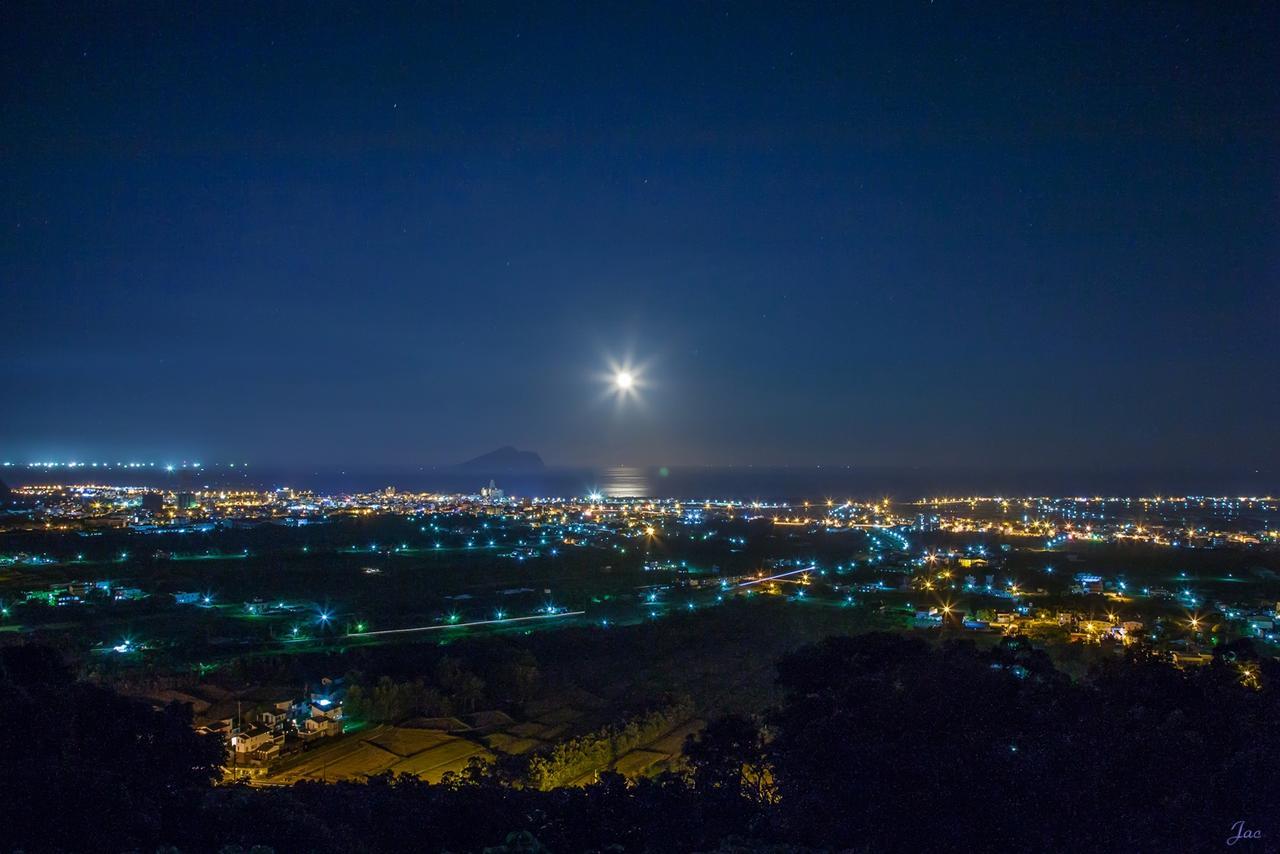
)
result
[(866, 233)]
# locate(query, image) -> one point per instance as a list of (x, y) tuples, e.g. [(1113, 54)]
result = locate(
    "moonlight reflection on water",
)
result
[(626, 482)]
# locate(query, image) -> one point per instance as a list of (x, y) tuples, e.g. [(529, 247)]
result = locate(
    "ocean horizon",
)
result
[(742, 483)]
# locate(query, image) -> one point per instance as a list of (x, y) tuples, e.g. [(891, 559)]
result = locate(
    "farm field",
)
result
[(431, 753), (428, 754)]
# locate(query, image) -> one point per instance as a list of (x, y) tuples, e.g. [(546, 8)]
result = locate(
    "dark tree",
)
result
[(80, 764)]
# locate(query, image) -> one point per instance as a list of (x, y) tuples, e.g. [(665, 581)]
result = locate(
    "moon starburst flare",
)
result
[(624, 380)]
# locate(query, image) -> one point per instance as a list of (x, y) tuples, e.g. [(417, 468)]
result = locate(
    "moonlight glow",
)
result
[(624, 380)]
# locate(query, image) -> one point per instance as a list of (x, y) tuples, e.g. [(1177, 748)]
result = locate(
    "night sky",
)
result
[(871, 233)]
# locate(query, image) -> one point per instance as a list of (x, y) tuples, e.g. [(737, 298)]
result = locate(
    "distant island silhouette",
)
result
[(504, 460)]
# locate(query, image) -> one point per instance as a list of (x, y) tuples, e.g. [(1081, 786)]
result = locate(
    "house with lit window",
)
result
[(256, 743), (320, 714)]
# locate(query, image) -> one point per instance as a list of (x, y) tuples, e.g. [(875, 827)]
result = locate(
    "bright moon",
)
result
[(623, 380)]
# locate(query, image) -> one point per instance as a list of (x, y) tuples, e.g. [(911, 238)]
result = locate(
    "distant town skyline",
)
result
[(900, 235)]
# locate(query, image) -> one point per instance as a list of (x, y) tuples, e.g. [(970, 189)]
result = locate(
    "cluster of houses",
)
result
[(1253, 620), (83, 593), (262, 724)]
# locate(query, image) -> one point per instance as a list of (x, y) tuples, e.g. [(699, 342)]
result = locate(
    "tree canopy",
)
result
[(882, 742)]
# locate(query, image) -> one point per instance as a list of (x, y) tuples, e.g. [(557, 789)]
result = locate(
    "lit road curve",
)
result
[(446, 626)]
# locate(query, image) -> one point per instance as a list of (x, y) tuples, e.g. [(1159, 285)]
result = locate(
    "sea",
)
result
[(740, 483)]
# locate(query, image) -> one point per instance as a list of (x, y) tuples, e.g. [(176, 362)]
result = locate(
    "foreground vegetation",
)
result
[(880, 742)]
